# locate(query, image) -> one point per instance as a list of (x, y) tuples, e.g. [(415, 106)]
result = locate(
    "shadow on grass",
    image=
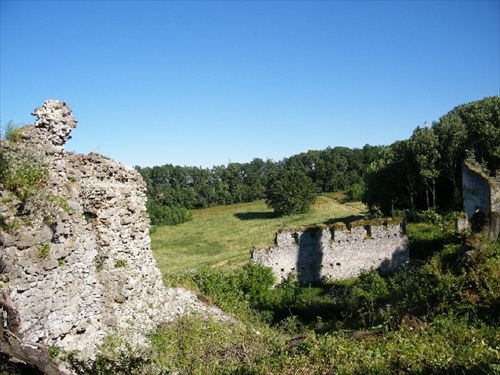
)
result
[(427, 239), (346, 220), (255, 215), (424, 249)]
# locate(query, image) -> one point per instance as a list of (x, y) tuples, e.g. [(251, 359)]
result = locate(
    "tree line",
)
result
[(422, 172), (425, 171), (329, 170)]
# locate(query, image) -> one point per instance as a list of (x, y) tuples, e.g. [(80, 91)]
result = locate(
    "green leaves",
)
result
[(165, 215), (22, 174), (410, 172), (291, 192), (424, 144)]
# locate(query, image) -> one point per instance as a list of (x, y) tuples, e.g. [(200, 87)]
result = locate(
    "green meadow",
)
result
[(224, 235)]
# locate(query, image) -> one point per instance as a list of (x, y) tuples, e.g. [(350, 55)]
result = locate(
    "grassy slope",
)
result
[(453, 307), (225, 234)]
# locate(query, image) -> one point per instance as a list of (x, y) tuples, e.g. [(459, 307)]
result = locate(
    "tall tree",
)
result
[(290, 192), (255, 180), (424, 144), (452, 138), (482, 120)]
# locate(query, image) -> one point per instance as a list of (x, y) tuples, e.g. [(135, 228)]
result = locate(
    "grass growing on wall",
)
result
[(224, 235)]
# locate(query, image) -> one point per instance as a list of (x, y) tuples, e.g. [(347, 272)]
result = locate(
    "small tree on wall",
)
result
[(290, 192)]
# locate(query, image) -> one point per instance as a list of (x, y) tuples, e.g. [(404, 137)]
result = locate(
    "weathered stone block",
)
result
[(314, 255), (73, 296)]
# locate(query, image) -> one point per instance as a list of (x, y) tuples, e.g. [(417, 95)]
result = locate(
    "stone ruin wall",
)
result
[(324, 253), (481, 199), (98, 276)]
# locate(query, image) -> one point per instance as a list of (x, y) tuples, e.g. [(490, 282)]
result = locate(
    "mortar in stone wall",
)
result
[(322, 253), (80, 266)]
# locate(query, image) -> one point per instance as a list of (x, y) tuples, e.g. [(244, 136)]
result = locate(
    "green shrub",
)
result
[(427, 216), (120, 362), (425, 240), (44, 250), (22, 175), (11, 132), (236, 291), (355, 192), (167, 215)]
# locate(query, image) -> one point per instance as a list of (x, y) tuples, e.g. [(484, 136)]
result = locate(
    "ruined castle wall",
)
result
[(325, 253), (477, 191), (75, 257), (481, 198)]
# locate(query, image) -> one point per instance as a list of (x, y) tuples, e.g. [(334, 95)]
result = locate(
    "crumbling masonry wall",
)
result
[(321, 253), (481, 198), (75, 258)]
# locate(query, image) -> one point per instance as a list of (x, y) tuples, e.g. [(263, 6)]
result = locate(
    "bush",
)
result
[(10, 132), (416, 216), (236, 291), (355, 192), (456, 307), (23, 174), (167, 215)]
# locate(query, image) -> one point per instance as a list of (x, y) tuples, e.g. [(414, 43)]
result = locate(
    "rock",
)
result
[(363, 335), (412, 323), (96, 275), (297, 340), (28, 237)]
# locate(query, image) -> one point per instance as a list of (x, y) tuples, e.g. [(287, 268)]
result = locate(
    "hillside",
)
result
[(80, 284), (225, 234), (75, 264), (439, 315)]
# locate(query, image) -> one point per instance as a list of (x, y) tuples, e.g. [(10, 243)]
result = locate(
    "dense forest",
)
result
[(422, 172)]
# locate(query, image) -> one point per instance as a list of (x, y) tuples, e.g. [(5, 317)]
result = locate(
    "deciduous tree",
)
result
[(291, 192)]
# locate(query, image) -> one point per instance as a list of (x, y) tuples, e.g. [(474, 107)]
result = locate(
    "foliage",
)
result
[(482, 120), (122, 362), (450, 345), (438, 315), (330, 170), (290, 192), (120, 263), (451, 132), (44, 250), (421, 216), (167, 215), (235, 290), (408, 173), (424, 144), (192, 187), (22, 175), (355, 192), (391, 180), (10, 132)]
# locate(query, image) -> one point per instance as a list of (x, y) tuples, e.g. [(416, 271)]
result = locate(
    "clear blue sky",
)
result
[(203, 83)]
